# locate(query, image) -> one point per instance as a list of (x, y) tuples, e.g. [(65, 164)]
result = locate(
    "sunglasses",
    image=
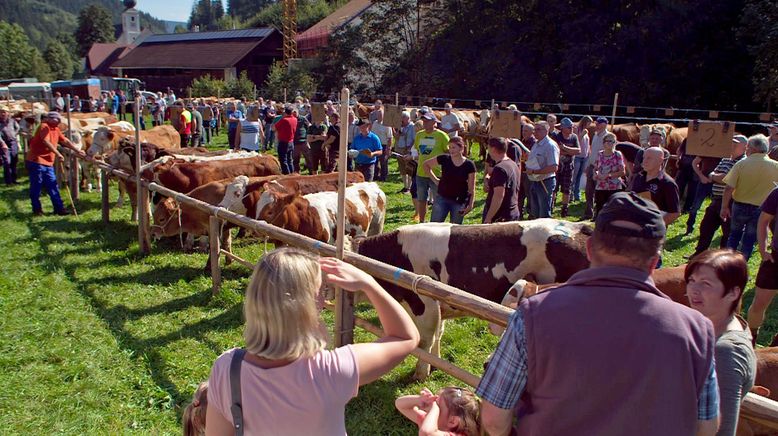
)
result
[(609, 141)]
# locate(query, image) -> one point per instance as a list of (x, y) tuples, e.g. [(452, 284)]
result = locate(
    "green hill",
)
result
[(47, 19)]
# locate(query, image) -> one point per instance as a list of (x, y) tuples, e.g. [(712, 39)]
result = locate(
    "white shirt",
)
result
[(596, 146), (450, 122), (384, 133)]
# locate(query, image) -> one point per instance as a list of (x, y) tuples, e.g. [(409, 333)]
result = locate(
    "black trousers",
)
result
[(711, 221)]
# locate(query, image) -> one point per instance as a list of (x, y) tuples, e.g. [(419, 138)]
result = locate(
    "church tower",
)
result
[(130, 23)]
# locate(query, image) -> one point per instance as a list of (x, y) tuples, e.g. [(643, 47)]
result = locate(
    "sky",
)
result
[(171, 10)]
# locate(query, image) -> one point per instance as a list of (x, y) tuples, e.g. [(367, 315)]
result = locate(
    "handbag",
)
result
[(236, 407)]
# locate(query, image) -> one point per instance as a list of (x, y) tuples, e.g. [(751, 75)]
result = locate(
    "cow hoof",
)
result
[(420, 375)]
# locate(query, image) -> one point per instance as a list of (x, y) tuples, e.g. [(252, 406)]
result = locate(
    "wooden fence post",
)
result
[(144, 233), (214, 237), (73, 176), (344, 301), (105, 196)]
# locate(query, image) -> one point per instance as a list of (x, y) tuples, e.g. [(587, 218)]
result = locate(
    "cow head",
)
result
[(517, 292), (167, 216), (76, 138), (233, 195), (271, 192), (274, 202), (102, 141)]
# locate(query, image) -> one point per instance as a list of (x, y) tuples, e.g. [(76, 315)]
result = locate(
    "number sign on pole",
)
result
[(710, 138)]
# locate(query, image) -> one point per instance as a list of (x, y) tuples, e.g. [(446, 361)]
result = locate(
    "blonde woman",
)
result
[(290, 383)]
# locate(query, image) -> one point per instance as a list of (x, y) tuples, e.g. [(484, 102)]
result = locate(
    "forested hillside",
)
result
[(44, 20)]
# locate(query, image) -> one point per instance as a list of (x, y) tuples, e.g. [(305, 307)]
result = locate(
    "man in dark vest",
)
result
[(606, 353)]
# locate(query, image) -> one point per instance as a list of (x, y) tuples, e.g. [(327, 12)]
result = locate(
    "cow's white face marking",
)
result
[(265, 200), (425, 243), (233, 195)]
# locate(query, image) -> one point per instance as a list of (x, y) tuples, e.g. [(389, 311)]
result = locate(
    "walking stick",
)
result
[(67, 189)]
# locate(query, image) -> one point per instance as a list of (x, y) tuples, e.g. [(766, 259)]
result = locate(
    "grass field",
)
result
[(98, 340)]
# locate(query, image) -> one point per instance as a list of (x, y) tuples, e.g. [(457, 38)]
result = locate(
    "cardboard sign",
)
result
[(710, 138), (318, 113), (393, 116), (175, 116), (506, 124)]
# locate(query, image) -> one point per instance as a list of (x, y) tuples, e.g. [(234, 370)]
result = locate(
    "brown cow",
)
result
[(186, 176), (108, 118), (108, 138), (239, 195), (629, 132), (315, 215)]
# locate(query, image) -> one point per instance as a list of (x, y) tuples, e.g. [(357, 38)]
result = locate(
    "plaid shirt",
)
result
[(506, 377)]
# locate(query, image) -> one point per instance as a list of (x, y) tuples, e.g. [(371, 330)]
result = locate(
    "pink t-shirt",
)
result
[(306, 397)]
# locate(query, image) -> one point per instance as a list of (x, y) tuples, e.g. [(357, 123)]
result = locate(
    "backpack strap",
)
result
[(236, 408)]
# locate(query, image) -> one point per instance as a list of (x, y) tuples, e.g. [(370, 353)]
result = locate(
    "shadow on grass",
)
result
[(92, 236)]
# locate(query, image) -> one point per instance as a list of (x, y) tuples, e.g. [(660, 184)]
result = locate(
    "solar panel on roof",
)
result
[(210, 36)]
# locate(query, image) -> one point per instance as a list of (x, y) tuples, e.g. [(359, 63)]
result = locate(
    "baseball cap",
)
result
[(630, 215), (602, 120), (740, 138), (54, 116), (429, 116), (362, 122), (657, 131), (567, 123)]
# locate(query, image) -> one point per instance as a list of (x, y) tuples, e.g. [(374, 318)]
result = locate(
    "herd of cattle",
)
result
[(498, 262)]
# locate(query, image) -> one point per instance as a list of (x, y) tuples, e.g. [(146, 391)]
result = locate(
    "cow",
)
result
[(629, 132), (186, 176), (315, 215), (240, 195), (106, 117), (670, 281), (645, 131), (484, 260), (106, 139)]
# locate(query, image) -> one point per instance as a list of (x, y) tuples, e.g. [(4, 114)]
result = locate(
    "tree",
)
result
[(18, 58), (94, 25), (59, 60), (240, 87), (245, 9), (296, 82), (180, 29), (206, 14), (759, 30), (207, 86)]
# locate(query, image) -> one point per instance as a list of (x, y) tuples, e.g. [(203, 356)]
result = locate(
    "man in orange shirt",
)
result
[(40, 163)]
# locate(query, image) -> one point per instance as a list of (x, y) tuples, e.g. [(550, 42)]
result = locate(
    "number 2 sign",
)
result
[(710, 138)]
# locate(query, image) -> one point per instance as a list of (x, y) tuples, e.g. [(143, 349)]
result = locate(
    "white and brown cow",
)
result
[(315, 215), (484, 260)]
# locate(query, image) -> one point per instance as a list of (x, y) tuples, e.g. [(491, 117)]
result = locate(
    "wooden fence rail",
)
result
[(755, 408)]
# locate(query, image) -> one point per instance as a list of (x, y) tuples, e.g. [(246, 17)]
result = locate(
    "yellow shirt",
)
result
[(753, 179)]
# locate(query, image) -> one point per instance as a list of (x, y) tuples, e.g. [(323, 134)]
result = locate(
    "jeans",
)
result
[(231, 138), (579, 166), (590, 185), (10, 159), (524, 196), (703, 191), (43, 176), (269, 136), (424, 187), (710, 222), (285, 150), (367, 170), (686, 179), (443, 207), (382, 164), (542, 197), (743, 221)]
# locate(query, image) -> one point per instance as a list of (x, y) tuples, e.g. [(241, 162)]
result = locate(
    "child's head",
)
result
[(460, 411), (194, 414)]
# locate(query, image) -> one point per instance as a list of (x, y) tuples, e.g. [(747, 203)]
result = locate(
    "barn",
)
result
[(174, 60)]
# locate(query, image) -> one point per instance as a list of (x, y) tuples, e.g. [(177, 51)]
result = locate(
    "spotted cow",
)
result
[(315, 215), (484, 260)]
